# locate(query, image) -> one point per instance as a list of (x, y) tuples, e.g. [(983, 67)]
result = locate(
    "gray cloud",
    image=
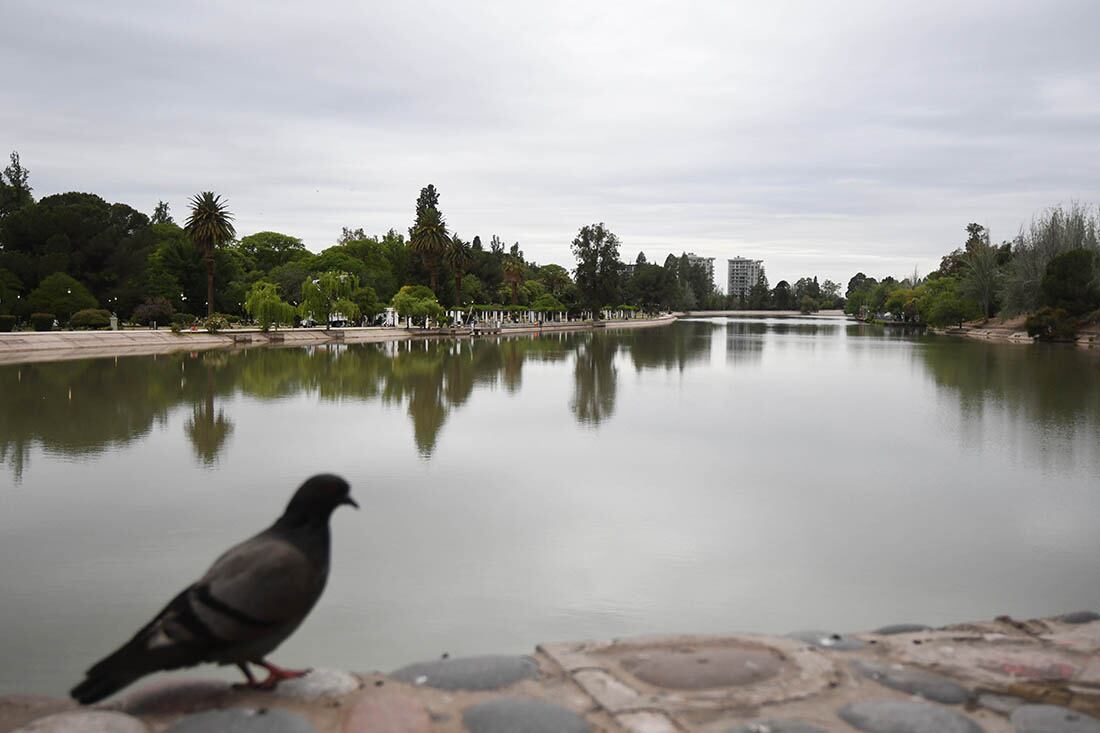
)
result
[(821, 137)]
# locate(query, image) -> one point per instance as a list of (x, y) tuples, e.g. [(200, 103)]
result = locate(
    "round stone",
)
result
[(902, 629), (1003, 704), (85, 721), (522, 715), (319, 684), (1052, 719), (903, 716), (1079, 617), (385, 710), (915, 681), (243, 720), (490, 672), (697, 669), (15, 710), (827, 640), (776, 725), (176, 696)]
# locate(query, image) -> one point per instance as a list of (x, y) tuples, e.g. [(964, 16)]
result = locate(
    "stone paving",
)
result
[(1000, 676)]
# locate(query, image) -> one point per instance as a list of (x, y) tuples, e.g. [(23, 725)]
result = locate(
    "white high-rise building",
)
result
[(743, 274), (706, 262)]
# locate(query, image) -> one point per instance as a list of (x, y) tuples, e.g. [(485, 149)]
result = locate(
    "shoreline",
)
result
[(31, 346), (1003, 675), (766, 314)]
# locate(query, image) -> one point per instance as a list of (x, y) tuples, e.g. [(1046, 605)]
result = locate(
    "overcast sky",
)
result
[(821, 137)]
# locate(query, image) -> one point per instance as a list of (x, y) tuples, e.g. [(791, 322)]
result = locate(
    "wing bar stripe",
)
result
[(204, 596)]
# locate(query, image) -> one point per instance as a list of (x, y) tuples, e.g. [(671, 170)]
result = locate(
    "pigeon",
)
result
[(250, 600)]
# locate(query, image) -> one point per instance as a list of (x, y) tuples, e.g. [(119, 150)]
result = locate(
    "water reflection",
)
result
[(89, 406), (745, 341), (668, 348), (208, 428), (1053, 388), (594, 375)]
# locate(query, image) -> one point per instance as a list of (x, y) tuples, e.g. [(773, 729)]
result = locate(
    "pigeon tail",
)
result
[(135, 659), (131, 662), (97, 687)]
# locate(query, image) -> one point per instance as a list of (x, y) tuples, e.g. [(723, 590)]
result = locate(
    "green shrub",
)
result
[(42, 321), (91, 318), (7, 323), (1052, 324), (153, 310), (184, 320), (176, 328), (215, 323)]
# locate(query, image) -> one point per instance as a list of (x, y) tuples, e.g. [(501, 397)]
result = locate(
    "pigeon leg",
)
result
[(252, 684), (275, 675)]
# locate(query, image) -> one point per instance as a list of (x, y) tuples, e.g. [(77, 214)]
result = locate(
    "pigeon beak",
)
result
[(350, 502)]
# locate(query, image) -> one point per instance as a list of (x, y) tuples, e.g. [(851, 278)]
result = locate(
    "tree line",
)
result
[(73, 254), (1050, 273), (77, 258)]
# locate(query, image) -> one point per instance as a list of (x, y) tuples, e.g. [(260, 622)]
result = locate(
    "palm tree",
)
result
[(459, 257), (430, 241), (513, 270), (209, 225)]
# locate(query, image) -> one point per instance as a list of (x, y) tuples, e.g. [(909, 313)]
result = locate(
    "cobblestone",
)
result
[(903, 716), (517, 715), (1052, 719), (928, 685)]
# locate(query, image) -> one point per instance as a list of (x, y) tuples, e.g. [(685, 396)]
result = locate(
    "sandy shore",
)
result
[(31, 346)]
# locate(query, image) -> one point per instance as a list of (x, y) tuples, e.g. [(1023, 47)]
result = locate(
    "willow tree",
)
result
[(264, 304), (329, 295), (209, 225)]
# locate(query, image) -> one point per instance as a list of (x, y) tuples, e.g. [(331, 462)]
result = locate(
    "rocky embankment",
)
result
[(1038, 676), (1013, 330)]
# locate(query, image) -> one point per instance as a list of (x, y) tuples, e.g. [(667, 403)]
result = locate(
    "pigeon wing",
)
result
[(255, 590)]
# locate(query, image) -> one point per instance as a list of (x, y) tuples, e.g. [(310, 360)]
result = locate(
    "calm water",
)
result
[(710, 476)]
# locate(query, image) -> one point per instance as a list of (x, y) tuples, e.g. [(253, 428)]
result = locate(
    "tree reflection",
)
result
[(669, 348), (595, 376), (745, 341), (88, 406), (1046, 389), (79, 407), (207, 428)]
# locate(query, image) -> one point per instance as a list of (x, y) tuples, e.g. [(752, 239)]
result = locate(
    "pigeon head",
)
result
[(319, 497)]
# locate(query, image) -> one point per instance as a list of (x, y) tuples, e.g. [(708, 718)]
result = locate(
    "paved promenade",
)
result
[(1037, 676)]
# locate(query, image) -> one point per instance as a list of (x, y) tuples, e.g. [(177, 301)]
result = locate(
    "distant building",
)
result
[(706, 262), (743, 274), (628, 270)]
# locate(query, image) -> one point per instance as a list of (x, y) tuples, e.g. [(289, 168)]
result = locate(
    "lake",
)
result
[(721, 475)]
